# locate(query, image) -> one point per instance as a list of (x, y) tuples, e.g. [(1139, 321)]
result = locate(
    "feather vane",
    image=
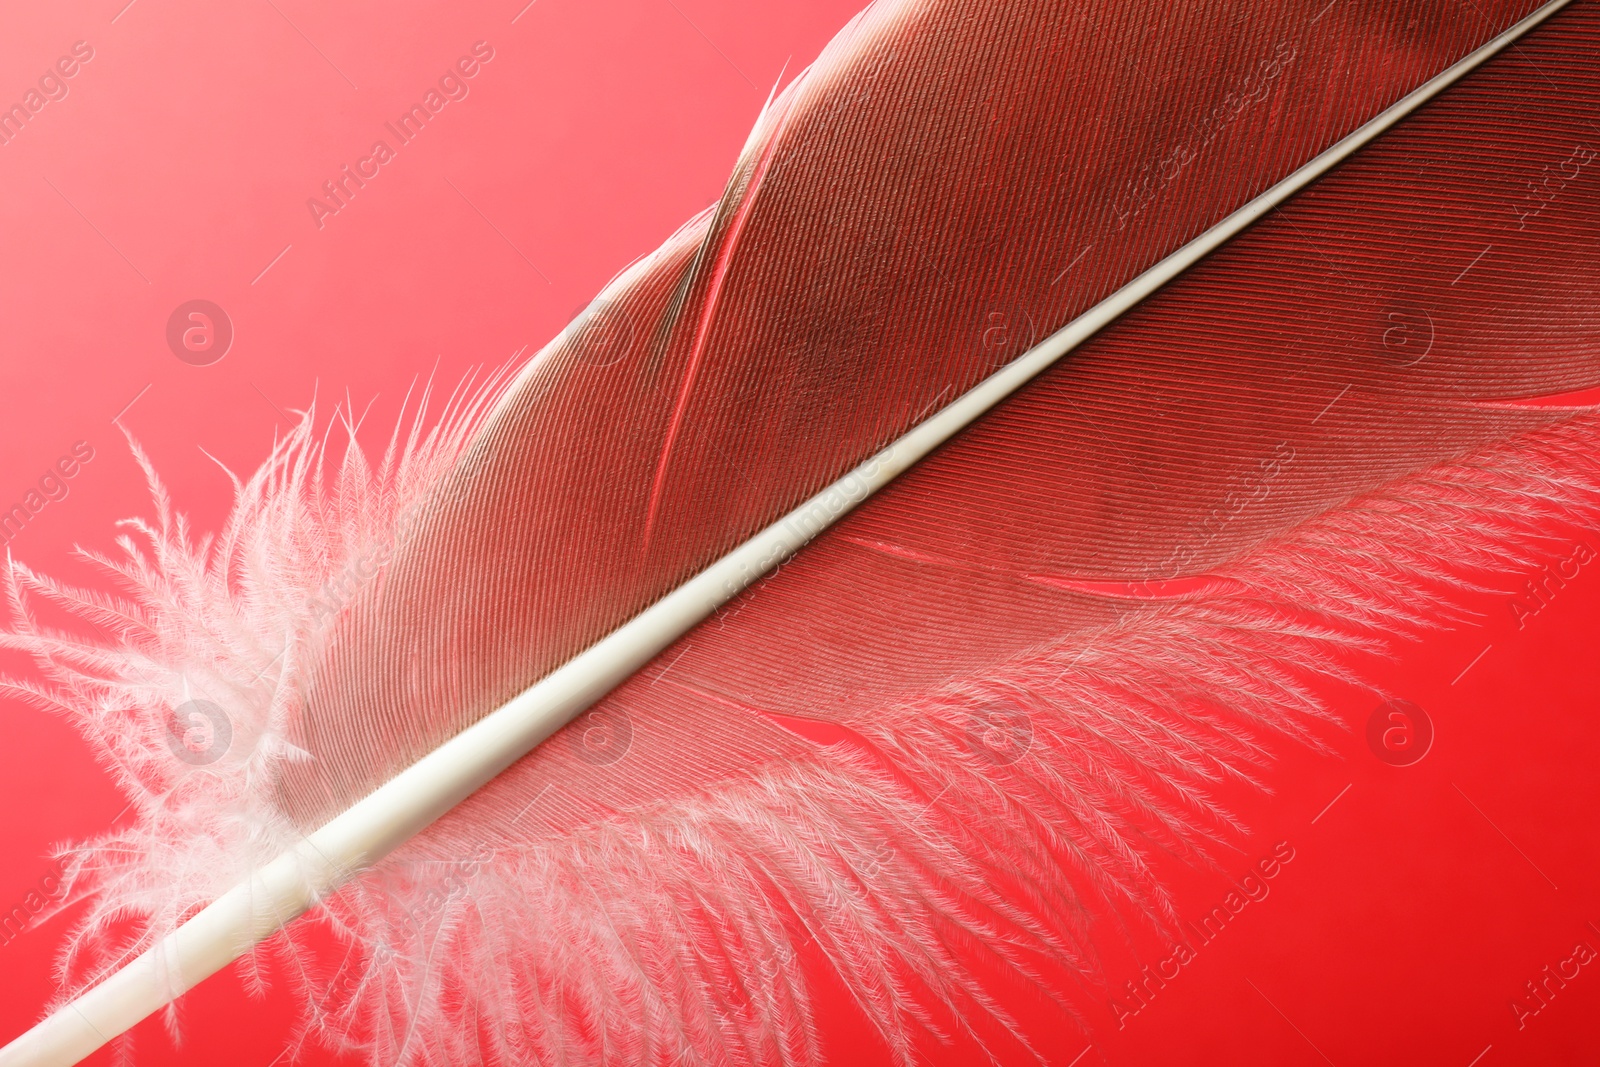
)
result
[(1042, 652)]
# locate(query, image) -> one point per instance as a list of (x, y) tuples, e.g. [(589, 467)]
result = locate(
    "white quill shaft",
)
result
[(414, 798)]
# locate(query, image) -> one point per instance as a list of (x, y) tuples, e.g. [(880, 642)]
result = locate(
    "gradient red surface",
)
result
[(175, 164)]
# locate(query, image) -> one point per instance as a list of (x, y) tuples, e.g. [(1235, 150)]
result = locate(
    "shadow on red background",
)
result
[(176, 163)]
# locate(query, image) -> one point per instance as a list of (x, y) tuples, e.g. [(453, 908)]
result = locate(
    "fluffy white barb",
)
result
[(672, 935)]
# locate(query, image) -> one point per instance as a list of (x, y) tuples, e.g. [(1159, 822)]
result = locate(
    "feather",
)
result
[(1039, 652)]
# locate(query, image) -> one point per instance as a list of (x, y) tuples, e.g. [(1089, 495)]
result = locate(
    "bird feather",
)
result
[(961, 720)]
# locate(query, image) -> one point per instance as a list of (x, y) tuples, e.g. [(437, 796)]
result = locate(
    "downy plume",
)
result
[(961, 720)]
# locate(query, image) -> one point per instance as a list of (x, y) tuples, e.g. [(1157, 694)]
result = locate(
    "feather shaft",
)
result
[(420, 794)]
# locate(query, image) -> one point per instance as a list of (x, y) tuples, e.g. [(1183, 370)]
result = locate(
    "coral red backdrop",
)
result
[(167, 271)]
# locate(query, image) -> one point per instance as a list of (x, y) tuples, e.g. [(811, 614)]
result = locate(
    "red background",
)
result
[(178, 167)]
